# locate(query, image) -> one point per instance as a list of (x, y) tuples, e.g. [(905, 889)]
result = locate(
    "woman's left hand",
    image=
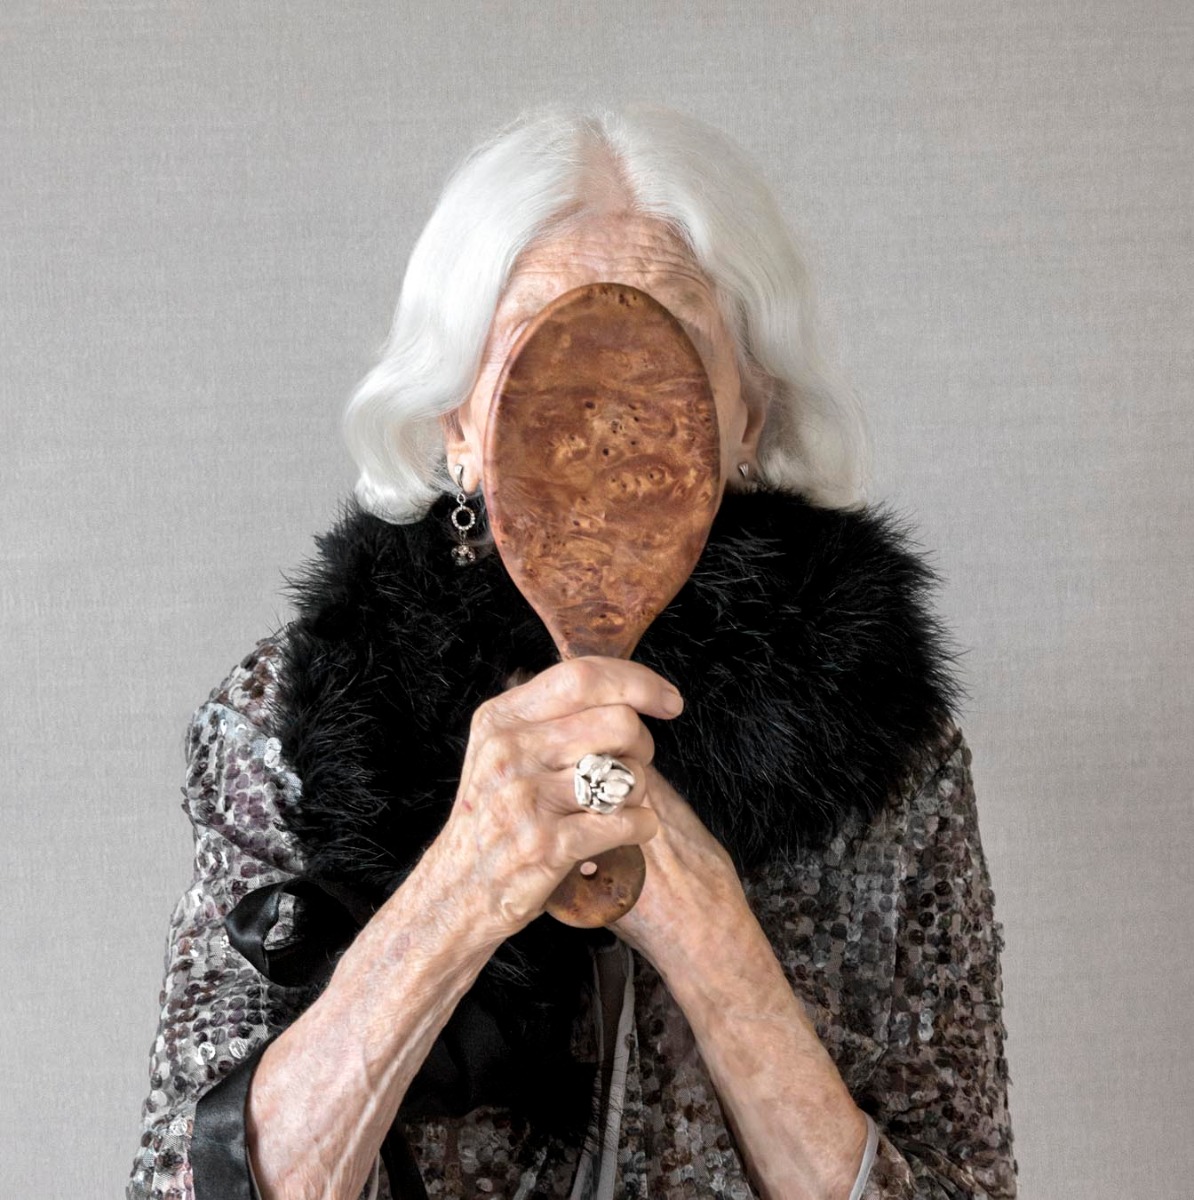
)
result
[(692, 900), (791, 1116)]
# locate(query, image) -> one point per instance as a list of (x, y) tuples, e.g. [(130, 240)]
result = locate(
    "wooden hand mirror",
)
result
[(602, 477)]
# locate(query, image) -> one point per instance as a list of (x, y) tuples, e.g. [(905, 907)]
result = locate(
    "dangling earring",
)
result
[(463, 519), (744, 471)]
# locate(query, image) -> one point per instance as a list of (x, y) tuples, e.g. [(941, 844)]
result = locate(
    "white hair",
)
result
[(549, 166)]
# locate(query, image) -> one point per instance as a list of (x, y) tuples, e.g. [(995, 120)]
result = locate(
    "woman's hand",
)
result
[(515, 829), (326, 1091), (693, 906), (791, 1115)]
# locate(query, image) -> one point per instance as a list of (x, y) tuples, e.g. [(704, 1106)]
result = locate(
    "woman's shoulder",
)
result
[(239, 784), (945, 751), (936, 786), (866, 848), (940, 783), (250, 687)]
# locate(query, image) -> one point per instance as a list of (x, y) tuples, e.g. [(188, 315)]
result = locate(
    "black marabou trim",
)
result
[(815, 671)]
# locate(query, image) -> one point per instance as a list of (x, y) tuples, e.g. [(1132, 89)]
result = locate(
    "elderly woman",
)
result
[(364, 995)]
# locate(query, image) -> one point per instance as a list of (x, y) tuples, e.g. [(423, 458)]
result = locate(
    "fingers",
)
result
[(584, 835), (581, 683), (517, 797), (610, 729)]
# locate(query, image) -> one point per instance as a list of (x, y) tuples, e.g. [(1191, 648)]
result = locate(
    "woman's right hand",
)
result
[(515, 829)]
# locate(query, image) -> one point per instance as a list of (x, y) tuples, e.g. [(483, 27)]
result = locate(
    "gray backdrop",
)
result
[(205, 209)]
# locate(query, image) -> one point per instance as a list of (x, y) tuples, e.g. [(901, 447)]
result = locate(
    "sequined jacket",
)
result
[(885, 929)]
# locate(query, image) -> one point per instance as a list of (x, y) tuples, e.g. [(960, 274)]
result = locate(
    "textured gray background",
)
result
[(205, 209)]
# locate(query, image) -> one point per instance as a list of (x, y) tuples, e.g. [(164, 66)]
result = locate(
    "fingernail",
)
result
[(673, 702)]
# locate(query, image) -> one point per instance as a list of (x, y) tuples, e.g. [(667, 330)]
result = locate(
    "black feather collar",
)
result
[(813, 668), (812, 665)]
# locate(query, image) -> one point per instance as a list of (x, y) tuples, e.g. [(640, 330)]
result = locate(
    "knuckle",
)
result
[(616, 726), (497, 758), (579, 676), (482, 723), (648, 744), (627, 724)]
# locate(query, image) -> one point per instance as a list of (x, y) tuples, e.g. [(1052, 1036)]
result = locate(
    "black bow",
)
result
[(468, 1065)]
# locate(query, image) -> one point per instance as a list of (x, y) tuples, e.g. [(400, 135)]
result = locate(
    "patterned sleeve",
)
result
[(217, 1010), (939, 1092)]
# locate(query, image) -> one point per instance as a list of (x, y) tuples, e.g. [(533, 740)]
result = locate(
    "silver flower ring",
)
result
[(601, 782)]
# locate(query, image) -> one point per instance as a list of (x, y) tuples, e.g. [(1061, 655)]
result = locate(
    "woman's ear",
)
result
[(460, 449), (757, 389)]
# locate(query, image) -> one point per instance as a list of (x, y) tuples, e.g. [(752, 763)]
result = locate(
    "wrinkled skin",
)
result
[(327, 1089), (688, 871)]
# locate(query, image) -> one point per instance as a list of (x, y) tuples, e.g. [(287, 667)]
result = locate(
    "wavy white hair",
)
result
[(551, 165)]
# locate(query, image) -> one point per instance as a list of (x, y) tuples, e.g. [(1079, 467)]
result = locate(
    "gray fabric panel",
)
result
[(204, 214)]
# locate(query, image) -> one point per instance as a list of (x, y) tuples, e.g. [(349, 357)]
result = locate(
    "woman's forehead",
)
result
[(617, 235), (643, 253)]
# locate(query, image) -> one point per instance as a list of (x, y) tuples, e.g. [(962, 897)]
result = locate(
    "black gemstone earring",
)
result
[(463, 519)]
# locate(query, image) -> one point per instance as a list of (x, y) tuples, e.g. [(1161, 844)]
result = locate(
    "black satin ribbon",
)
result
[(219, 1152), (459, 1068), (470, 1062), (327, 920)]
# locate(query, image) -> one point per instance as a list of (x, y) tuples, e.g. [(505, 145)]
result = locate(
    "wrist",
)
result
[(719, 967), (713, 949), (441, 902), (443, 891), (424, 939)]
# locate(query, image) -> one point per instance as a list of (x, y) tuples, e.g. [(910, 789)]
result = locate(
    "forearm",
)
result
[(327, 1090), (796, 1124)]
